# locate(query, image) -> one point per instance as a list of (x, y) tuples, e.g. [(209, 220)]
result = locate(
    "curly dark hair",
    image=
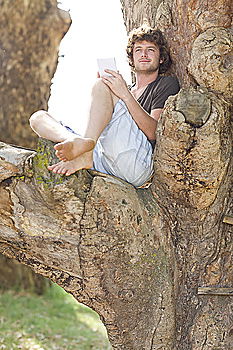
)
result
[(152, 35)]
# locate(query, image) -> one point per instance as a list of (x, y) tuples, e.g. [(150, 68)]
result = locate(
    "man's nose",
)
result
[(144, 53)]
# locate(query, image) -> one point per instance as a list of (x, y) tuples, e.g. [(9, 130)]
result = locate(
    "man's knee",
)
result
[(101, 91), (100, 87), (37, 118)]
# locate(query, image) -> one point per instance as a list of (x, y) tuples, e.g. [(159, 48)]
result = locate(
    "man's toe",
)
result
[(58, 146)]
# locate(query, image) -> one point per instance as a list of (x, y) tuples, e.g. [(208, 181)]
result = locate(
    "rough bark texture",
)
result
[(193, 166), (30, 34), (137, 256), (199, 34)]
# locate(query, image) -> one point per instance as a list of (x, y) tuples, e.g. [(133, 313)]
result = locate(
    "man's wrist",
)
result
[(127, 96)]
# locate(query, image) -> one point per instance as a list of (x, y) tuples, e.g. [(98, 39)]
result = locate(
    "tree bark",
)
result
[(30, 34), (199, 35), (142, 258)]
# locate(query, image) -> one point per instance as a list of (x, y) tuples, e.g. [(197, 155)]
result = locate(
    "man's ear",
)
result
[(161, 61)]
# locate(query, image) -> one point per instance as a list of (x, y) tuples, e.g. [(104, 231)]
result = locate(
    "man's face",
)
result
[(146, 57)]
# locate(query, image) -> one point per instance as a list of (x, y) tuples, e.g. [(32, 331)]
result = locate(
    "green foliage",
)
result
[(53, 321)]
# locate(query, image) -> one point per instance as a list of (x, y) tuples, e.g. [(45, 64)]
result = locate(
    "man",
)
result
[(120, 134)]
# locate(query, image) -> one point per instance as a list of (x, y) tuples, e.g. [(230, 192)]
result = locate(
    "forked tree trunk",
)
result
[(155, 264)]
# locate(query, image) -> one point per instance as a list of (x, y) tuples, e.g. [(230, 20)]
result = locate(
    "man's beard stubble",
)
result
[(147, 71)]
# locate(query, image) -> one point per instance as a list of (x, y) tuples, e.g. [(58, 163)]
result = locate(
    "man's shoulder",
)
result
[(166, 82), (167, 79), (164, 87)]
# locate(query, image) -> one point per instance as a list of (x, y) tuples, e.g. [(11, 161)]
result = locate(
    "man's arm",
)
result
[(146, 122)]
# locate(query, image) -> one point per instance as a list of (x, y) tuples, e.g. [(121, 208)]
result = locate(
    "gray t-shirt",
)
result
[(157, 92)]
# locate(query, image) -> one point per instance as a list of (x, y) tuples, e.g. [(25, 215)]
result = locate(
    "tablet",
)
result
[(106, 63)]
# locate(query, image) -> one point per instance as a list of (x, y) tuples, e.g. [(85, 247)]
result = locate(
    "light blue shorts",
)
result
[(123, 150)]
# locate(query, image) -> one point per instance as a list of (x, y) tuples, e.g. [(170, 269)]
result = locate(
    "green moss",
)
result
[(41, 161), (45, 156), (22, 177), (156, 262), (146, 259)]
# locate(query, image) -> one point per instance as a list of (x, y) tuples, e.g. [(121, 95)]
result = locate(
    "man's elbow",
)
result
[(151, 135)]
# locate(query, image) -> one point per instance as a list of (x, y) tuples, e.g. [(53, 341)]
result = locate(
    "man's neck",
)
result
[(143, 79)]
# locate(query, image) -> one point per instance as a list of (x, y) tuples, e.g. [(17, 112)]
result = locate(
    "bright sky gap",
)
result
[(97, 31)]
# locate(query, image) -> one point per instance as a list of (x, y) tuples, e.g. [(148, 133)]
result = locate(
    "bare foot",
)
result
[(73, 148), (70, 167)]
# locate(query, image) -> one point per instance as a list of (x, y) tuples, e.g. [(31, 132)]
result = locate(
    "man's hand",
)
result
[(117, 84)]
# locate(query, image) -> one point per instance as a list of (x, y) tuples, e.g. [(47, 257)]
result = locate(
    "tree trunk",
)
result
[(14, 275), (31, 32), (199, 36), (155, 264), (30, 35)]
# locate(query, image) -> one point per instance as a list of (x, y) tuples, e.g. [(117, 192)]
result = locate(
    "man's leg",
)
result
[(101, 109), (123, 150), (44, 125), (100, 113)]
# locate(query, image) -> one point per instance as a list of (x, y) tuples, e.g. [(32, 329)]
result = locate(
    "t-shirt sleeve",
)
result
[(167, 86)]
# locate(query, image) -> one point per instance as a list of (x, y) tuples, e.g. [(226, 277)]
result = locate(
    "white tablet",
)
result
[(106, 63)]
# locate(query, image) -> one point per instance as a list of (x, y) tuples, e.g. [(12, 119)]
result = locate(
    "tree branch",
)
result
[(116, 248)]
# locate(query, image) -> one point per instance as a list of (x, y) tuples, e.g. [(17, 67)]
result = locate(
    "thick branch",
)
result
[(93, 236), (118, 249)]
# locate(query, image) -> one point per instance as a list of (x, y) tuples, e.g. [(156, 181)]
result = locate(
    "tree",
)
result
[(31, 32), (30, 35), (156, 264)]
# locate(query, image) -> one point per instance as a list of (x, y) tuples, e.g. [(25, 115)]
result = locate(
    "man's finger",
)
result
[(106, 80), (112, 72)]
